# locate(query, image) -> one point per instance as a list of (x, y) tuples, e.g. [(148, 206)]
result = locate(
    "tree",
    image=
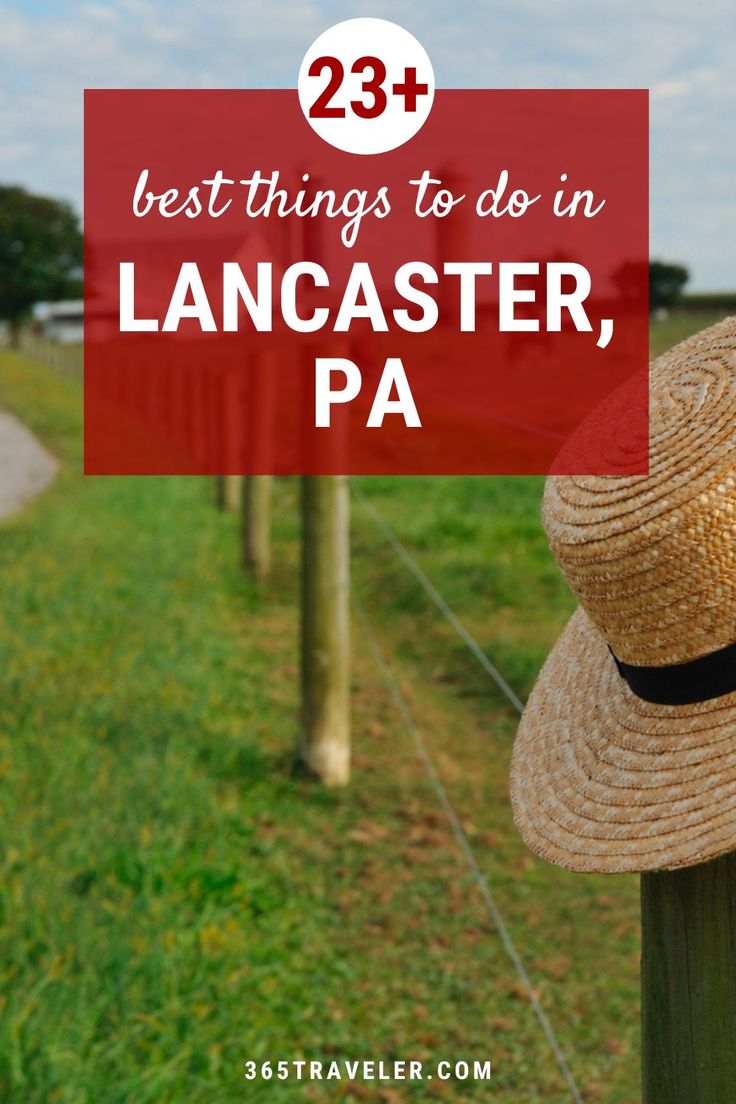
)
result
[(40, 253), (666, 282)]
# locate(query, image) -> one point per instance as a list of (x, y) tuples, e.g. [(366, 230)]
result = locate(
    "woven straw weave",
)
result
[(601, 780)]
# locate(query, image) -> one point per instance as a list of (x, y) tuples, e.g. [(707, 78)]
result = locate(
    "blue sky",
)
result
[(51, 49)]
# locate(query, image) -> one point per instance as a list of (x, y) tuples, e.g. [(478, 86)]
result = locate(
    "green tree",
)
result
[(40, 253), (666, 282)]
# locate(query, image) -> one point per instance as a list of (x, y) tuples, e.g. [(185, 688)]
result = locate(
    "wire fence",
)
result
[(423, 753), (408, 560), (68, 359), (466, 850)]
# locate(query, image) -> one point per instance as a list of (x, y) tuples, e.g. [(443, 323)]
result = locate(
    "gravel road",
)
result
[(26, 468)]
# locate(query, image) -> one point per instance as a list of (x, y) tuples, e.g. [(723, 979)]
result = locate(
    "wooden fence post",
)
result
[(257, 489), (689, 984), (256, 505), (228, 492), (325, 626), (233, 493)]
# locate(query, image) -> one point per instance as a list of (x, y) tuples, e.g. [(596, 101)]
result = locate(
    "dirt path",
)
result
[(26, 468)]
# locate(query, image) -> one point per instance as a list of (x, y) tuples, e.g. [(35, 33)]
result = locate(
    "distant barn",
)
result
[(62, 322)]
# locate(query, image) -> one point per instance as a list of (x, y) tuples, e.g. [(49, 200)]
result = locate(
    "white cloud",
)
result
[(680, 50)]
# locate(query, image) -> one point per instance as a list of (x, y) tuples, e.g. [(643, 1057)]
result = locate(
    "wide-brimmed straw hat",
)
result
[(625, 758)]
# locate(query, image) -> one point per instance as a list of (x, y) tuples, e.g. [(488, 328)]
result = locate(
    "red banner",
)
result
[(258, 301)]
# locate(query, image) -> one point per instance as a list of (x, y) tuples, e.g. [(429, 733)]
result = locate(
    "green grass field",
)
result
[(682, 323), (176, 898)]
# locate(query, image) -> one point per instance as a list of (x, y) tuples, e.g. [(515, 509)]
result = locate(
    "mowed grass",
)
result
[(176, 897), (680, 324)]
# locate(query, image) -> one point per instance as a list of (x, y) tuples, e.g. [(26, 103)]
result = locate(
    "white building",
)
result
[(62, 322)]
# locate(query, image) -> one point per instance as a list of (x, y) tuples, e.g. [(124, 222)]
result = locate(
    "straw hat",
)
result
[(625, 759)]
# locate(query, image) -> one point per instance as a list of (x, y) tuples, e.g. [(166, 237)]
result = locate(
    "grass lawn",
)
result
[(680, 324), (176, 898)]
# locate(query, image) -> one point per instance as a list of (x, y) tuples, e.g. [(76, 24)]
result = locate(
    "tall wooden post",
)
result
[(325, 736), (228, 492), (325, 579), (689, 984), (233, 492), (257, 489), (256, 492)]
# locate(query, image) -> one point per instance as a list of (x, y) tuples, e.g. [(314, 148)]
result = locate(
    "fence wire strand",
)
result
[(463, 843), (430, 589)]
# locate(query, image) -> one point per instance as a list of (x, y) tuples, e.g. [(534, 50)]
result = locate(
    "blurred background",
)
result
[(176, 895)]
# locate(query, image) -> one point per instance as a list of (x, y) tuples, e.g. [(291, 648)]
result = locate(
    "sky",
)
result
[(683, 51)]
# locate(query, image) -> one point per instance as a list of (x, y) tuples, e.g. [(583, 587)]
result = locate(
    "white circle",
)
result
[(352, 43)]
